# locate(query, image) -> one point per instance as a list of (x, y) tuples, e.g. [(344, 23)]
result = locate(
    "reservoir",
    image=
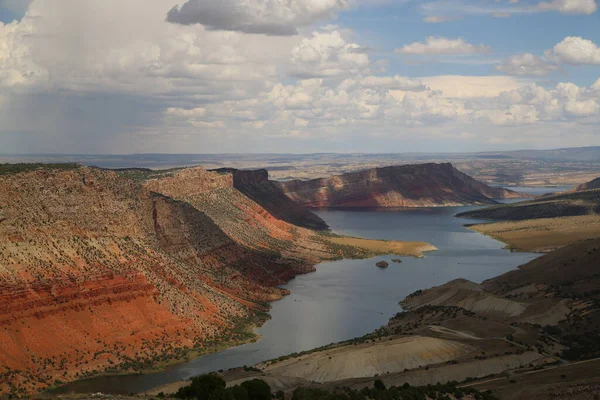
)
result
[(347, 298)]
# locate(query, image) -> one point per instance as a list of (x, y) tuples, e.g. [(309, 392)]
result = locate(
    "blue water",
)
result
[(348, 298)]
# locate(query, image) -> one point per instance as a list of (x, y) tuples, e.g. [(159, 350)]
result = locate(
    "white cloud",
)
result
[(328, 54), (569, 6), (69, 67), (464, 87), (186, 113), (396, 82), (271, 17), (575, 50), (442, 45), (17, 67), (526, 64), (208, 124), (437, 19), (582, 108)]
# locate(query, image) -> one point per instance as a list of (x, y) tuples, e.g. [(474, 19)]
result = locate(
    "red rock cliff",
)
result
[(423, 185), (98, 272)]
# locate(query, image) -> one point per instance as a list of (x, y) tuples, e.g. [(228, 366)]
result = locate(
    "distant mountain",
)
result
[(419, 185)]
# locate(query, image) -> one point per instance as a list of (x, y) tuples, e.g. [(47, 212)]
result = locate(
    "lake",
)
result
[(348, 298)]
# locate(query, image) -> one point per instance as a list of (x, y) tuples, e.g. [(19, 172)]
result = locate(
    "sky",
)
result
[(297, 76)]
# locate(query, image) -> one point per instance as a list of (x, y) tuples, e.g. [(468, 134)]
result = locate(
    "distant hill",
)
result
[(552, 206), (419, 185), (593, 184)]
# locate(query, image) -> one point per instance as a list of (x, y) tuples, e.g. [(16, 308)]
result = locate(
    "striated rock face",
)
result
[(593, 184), (98, 272), (423, 185), (257, 186)]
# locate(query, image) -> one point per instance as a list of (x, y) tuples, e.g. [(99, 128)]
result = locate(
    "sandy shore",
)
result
[(542, 235)]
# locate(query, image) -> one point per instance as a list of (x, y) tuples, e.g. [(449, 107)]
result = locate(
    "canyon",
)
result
[(420, 185), (99, 273), (107, 271)]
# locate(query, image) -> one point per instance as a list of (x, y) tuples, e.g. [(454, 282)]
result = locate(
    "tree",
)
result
[(257, 389), (379, 385), (201, 387)]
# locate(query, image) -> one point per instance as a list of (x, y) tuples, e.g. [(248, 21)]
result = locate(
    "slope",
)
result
[(422, 185)]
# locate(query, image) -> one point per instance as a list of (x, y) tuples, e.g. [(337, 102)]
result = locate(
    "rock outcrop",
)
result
[(257, 186), (101, 273), (422, 185)]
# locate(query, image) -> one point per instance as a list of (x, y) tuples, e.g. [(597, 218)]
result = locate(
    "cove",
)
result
[(347, 298)]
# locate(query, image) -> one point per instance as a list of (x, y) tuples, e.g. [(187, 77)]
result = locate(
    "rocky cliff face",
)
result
[(423, 185), (257, 186), (98, 272)]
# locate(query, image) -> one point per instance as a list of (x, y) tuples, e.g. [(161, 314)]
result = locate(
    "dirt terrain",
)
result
[(546, 223), (419, 185), (575, 381), (543, 234)]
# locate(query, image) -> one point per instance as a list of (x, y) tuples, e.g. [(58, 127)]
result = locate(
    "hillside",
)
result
[(421, 185), (101, 273), (591, 185), (528, 325), (552, 206), (257, 186)]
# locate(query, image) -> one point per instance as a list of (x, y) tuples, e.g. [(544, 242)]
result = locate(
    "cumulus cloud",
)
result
[(569, 6), (576, 50), (527, 64), (395, 82), (270, 17), (469, 87), (327, 54), (83, 75), (442, 45)]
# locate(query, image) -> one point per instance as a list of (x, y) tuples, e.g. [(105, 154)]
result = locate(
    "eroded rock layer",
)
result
[(100, 273), (423, 185)]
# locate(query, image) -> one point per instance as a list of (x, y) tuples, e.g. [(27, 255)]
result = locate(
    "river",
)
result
[(347, 298)]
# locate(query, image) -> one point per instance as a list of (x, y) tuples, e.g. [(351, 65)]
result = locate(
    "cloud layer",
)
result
[(89, 76), (442, 45), (270, 17)]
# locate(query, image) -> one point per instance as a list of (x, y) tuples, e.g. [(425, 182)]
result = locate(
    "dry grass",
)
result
[(542, 235), (414, 249)]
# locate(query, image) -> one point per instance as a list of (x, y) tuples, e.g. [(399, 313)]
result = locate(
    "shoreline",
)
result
[(540, 235), (360, 253)]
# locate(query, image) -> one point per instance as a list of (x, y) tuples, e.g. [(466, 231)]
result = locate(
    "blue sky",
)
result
[(392, 25), (92, 76)]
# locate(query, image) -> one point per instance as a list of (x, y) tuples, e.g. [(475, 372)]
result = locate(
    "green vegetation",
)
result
[(143, 174), (581, 347), (7, 169), (213, 387), (404, 392)]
